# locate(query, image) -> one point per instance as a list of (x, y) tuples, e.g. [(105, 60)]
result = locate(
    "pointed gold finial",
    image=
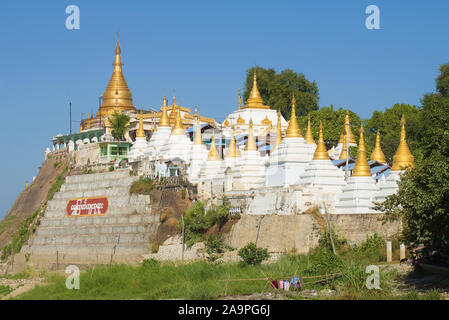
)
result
[(343, 153), (174, 101), (240, 100), (164, 121), (198, 139), (321, 151), (361, 168), (293, 130), (178, 129), (377, 154), (343, 134), (26, 184), (117, 94), (309, 134), (232, 150), (140, 131), (213, 154), (403, 158), (251, 143), (278, 132), (255, 100)]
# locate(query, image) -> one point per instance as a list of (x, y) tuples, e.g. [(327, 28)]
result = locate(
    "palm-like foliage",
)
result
[(119, 125)]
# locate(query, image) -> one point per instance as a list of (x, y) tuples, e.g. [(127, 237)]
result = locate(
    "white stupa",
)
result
[(291, 156), (401, 160), (198, 155), (322, 180), (251, 171), (158, 143), (358, 194), (232, 163), (179, 145), (140, 146), (212, 173)]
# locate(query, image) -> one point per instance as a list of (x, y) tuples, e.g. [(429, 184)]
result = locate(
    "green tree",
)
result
[(389, 124), (119, 123), (333, 122), (277, 89)]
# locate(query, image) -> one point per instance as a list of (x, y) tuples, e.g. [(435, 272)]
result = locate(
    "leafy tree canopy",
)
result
[(277, 90), (119, 125)]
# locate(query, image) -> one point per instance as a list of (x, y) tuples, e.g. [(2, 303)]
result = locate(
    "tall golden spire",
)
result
[(240, 100), (213, 154), (198, 139), (232, 150), (343, 153), (117, 95), (163, 121), (140, 132), (251, 143), (377, 154), (321, 151), (255, 100), (361, 168), (403, 157), (343, 134), (278, 132), (309, 134), (293, 130), (178, 129)]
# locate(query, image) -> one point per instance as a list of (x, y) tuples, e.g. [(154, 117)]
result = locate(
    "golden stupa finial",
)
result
[(240, 100), (293, 130), (117, 94), (164, 121), (178, 128), (198, 139), (309, 134), (278, 131), (251, 143), (403, 158), (232, 150), (377, 154), (213, 154), (140, 131), (321, 151), (174, 101), (343, 153), (361, 168), (255, 100), (26, 184), (343, 134)]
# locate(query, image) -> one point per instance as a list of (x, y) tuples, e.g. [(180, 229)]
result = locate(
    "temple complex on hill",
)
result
[(255, 154)]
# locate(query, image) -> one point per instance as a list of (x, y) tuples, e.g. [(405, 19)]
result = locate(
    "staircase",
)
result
[(121, 235)]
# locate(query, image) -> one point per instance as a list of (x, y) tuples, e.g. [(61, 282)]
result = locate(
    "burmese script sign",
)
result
[(83, 207)]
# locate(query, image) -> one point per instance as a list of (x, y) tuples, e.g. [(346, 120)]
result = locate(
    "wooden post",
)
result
[(183, 237), (329, 228)]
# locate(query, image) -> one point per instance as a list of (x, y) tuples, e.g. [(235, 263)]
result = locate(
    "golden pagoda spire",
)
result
[(240, 100), (343, 153), (361, 168), (278, 132), (117, 95), (174, 101), (232, 150), (255, 100), (198, 139), (293, 130), (403, 157), (251, 143), (140, 131), (213, 154), (343, 134), (377, 154), (178, 129), (321, 151), (163, 121), (309, 134)]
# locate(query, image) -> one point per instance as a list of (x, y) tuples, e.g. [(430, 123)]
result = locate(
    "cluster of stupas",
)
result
[(295, 163)]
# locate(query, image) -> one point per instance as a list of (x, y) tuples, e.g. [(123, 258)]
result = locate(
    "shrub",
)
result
[(252, 255), (111, 168), (142, 186), (150, 263)]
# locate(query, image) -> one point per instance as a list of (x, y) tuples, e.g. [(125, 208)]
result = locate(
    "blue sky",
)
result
[(201, 50)]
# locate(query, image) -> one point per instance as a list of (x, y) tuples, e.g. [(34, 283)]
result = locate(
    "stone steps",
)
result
[(92, 240), (99, 220), (110, 191), (93, 230)]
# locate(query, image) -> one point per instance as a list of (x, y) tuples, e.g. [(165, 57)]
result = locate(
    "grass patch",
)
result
[(144, 185), (5, 290), (55, 187)]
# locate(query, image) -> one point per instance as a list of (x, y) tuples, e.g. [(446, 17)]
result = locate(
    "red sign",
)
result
[(83, 207)]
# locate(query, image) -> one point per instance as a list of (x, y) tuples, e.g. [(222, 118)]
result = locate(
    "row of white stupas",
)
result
[(296, 163)]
